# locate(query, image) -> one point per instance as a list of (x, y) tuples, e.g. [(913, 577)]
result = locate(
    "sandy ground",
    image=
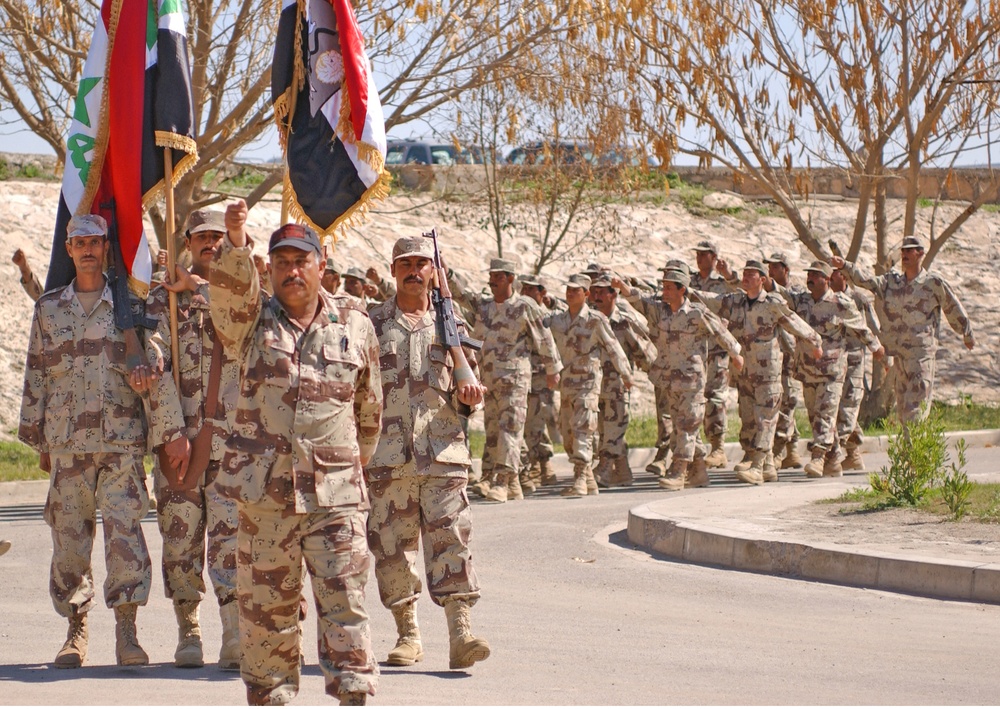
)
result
[(649, 236)]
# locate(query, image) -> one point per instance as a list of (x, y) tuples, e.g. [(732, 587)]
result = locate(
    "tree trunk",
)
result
[(879, 398)]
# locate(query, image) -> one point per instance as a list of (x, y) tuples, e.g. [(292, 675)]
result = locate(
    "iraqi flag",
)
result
[(329, 116), (134, 100)]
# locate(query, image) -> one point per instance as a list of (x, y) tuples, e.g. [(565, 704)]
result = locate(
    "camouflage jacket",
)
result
[(755, 324), (835, 318), (714, 283), (310, 402), (910, 311), (420, 415), (171, 415), (76, 394), (585, 342), (33, 287), (510, 332), (866, 306), (629, 327), (537, 362), (682, 341)]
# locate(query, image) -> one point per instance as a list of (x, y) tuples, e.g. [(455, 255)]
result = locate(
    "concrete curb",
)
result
[(921, 576)]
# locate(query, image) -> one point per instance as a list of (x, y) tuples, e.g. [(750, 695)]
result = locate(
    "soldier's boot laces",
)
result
[(674, 479), (716, 458), (127, 649), (831, 465), (514, 490), (229, 655), (622, 475), (189, 652), (753, 474), (497, 491), (768, 471), (353, 699), (853, 460), (791, 461), (814, 468), (408, 649), (579, 486), (545, 470), (697, 475), (465, 648), (74, 650)]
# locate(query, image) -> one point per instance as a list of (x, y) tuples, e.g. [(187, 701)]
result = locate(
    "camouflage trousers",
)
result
[(822, 404), (273, 542), (913, 381), (791, 398), (540, 417), (687, 411), (612, 421), (758, 403), (716, 388), (195, 523), (504, 412), (664, 427), (422, 508), (850, 401), (578, 424), (113, 483)]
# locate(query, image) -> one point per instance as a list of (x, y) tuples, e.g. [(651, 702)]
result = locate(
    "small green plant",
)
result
[(956, 486), (918, 453), (29, 171), (4, 170)]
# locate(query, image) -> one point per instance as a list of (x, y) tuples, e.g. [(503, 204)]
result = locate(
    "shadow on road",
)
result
[(42, 674)]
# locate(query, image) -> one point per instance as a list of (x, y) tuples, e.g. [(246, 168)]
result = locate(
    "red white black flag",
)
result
[(328, 114)]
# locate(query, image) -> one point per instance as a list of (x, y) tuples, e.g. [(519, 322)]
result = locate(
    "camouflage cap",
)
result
[(679, 277), (579, 280), (355, 272), (593, 269), (777, 257), (331, 267), (206, 220), (677, 265), (821, 267), (602, 280), (706, 245), (295, 235), (418, 246), (502, 265), (86, 225), (529, 279), (912, 242), (755, 265)]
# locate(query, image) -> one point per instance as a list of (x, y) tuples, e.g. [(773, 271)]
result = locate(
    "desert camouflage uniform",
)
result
[(541, 414), (78, 407), (910, 315), (417, 477), (510, 331), (787, 431), (632, 333), (755, 325), (717, 364), (186, 517), (309, 408), (33, 288), (680, 365), (834, 318), (848, 429), (585, 342)]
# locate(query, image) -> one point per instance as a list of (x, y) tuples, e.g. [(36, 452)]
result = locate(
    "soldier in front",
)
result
[(418, 475), (82, 416), (308, 418)]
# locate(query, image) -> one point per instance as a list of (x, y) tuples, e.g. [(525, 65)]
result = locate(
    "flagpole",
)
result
[(168, 173)]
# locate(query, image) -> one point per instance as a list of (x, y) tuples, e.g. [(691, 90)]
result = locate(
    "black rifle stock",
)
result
[(443, 304)]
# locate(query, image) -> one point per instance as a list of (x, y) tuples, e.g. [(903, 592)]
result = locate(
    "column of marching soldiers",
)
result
[(317, 414)]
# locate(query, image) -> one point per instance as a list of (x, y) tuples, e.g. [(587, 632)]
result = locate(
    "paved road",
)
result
[(574, 617)]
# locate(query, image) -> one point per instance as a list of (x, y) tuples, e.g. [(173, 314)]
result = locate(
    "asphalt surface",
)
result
[(574, 614)]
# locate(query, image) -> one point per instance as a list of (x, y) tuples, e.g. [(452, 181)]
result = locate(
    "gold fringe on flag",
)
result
[(357, 215), (174, 141)]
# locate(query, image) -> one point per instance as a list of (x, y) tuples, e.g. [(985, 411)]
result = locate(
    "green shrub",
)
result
[(956, 487), (918, 453)]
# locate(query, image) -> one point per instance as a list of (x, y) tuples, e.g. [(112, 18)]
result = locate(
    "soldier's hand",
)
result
[(236, 221), (722, 266), (879, 353), (372, 275), (837, 262), (161, 258), (179, 454), (621, 285), (552, 381), (767, 283), (471, 393), (182, 281), (142, 378), (817, 353), (370, 290), (627, 383), (20, 261), (970, 343), (738, 362), (45, 462)]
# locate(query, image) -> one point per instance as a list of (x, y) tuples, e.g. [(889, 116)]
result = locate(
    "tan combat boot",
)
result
[(697, 475), (497, 491), (465, 648), (744, 464), (514, 491), (483, 486), (545, 469), (791, 461), (814, 468), (229, 655), (127, 648), (753, 474), (622, 474), (408, 649), (604, 474), (591, 482), (74, 650), (768, 471), (674, 479), (189, 652), (353, 699), (853, 460), (659, 465), (717, 456), (4, 546), (579, 486), (831, 465)]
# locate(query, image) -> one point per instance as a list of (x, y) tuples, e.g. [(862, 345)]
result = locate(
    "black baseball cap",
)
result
[(297, 235)]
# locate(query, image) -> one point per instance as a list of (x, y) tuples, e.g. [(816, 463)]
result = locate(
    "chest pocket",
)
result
[(339, 372)]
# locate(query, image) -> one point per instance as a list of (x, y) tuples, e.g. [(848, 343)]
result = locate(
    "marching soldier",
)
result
[(308, 418), (418, 474), (29, 281)]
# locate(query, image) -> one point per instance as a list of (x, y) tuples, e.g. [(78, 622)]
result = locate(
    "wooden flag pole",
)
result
[(168, 174)]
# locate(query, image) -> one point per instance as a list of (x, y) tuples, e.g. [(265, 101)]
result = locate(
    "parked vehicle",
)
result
[(407, 152), (537, 153)]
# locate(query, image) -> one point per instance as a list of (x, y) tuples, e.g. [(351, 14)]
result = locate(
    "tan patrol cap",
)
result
[(706, 245), (355, 272), (677, 265), (529, 279), (86, 225), (206, 220), (331, 267), (679, 277), (777, 257), (502, 265), (418, 246), (911, 242), (755, 265), (579, 280), (821, 267)]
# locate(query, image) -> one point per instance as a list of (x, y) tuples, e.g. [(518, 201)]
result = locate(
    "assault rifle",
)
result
[(442, 302)]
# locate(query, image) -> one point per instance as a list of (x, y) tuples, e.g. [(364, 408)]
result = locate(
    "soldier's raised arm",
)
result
[(858, 277), (854, 323), (718, 331), (639, 348), (234, 286), (954, 311), (615, 352)]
